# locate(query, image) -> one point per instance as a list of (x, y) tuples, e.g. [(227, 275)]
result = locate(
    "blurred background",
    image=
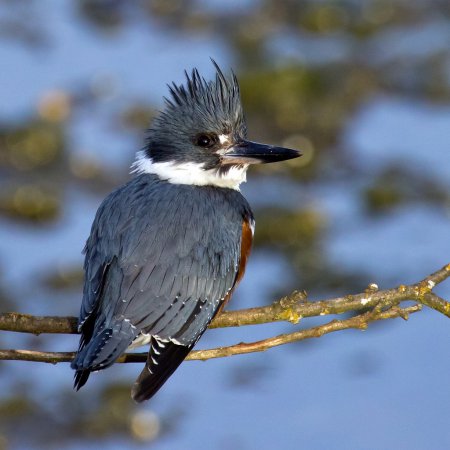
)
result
[(362, 87)]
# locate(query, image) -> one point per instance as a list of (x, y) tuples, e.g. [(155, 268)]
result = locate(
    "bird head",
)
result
[(200, 137)]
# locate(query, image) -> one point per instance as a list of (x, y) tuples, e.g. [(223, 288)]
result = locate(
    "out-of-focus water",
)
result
[(380, 389)]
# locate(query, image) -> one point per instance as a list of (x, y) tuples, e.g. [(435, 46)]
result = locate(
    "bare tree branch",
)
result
[(359, 322), (26, 323), (373, 304)]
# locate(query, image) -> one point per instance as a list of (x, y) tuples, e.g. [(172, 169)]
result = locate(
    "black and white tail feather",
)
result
[(163, 359)]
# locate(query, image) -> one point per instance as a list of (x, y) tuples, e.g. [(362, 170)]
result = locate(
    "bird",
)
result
[(168, 248)]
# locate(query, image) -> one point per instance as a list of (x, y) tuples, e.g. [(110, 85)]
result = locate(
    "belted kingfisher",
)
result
[(168, 248)]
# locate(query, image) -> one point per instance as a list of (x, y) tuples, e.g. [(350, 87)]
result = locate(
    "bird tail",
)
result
[(80, 378), (102, 351), (163, 359)]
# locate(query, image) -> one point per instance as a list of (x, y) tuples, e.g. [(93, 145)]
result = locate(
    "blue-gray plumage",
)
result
[(167, 249)]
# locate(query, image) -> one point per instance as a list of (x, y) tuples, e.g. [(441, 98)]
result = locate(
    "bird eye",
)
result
[(203, 140)]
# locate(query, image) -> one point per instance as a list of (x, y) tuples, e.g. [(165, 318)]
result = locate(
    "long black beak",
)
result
[(248, 152)]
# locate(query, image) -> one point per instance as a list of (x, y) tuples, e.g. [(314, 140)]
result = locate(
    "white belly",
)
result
[(142, 339)]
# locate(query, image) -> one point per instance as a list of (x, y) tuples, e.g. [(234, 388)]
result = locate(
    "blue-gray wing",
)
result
[(160, 260)]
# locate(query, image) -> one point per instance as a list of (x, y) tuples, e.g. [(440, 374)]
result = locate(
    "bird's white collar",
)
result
[(190, 173)]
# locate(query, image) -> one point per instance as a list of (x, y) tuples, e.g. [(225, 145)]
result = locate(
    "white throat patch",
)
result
[(190, 173)]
